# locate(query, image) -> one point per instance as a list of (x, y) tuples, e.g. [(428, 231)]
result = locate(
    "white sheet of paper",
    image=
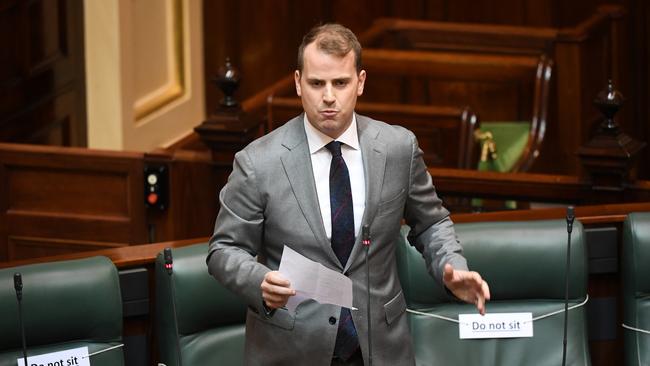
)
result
[(312, 280)]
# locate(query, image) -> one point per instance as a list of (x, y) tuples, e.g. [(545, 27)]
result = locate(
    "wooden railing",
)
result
[(533, 187)]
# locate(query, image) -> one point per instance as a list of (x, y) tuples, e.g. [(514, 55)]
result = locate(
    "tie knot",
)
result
[(335, 148)]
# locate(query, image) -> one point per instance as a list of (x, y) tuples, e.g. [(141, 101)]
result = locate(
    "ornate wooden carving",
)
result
[(609, 155), (229, 128)]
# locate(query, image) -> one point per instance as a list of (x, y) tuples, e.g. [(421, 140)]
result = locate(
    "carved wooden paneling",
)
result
[(42, 98), (68, 199)]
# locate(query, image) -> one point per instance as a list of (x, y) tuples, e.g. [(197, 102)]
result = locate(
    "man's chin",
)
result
[(331, 128)]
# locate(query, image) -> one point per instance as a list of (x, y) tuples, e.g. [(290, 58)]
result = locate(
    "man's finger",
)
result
[(277, 290), (448, 273), (486, 290), (269, 297), (275, 278), (480, 304)]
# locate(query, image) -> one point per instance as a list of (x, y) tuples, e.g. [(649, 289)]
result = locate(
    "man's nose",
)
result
[(328, 95)]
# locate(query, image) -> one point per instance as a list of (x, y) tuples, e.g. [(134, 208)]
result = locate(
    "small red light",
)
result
[(152, 198)]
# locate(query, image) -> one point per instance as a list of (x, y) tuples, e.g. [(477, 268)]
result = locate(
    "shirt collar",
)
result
[(317, 140)]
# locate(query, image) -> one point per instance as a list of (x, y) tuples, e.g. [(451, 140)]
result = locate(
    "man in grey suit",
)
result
[(285, 189)]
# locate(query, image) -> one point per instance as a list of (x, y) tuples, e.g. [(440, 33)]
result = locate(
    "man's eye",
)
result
[(340, 83), (316, 83)]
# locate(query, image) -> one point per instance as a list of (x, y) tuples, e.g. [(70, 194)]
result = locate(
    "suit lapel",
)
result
[(297, 166), (374, 162)]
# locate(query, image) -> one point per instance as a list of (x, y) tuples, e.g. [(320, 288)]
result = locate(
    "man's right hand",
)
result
[(276, 290)]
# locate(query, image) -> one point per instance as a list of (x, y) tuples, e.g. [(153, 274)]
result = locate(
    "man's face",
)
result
[(329, 87)]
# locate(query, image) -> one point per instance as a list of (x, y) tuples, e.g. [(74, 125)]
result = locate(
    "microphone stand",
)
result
[(570, 216), (366, 243), (169, 266), (18, 286)]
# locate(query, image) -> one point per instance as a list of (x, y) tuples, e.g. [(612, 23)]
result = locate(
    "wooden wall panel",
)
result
[(42, 97), (48, 190), (55, 200)]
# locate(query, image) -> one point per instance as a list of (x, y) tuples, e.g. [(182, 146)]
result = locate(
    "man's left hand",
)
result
[(467, 286)]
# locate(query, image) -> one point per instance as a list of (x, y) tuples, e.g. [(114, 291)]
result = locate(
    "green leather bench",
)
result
[(524, 264), (635, 265), (211, 319), (65, 305)]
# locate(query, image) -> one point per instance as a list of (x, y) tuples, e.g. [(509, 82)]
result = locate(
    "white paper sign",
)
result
[(495, 325), (70, 357)]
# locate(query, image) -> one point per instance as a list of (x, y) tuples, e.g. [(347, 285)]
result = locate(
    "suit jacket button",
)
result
[(332, 320)]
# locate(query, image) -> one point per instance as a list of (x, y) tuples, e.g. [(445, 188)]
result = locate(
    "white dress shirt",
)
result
[(320, 162)]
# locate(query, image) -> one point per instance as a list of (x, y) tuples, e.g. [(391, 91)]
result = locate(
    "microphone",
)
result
[(570, 217), (169, 261), (365, 240), (169, 266), (18, 286)]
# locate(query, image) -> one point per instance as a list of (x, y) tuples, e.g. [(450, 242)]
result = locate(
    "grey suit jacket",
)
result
[(270, 201)]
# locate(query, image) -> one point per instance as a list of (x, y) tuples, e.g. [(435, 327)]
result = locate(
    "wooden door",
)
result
[(42, 94)]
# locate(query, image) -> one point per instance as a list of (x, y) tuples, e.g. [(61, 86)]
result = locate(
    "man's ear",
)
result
[(296, 78), (362, 82)]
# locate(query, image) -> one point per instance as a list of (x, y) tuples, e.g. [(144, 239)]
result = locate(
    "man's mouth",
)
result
[(329, 113)]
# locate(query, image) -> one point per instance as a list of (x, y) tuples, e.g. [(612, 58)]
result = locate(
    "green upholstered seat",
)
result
[(511, 139), (211, 319), (66, 305), (636, 287), (524, 264)]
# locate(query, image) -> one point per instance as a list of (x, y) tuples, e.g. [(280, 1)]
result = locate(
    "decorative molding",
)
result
[(174, 88)]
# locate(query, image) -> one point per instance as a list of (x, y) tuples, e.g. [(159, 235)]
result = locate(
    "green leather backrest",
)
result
[(65, 305), (210, 317), (519, 260), (635, 265), (524, 264)]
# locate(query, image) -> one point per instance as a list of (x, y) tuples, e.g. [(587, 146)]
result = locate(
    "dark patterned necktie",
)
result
[(347, 341)]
